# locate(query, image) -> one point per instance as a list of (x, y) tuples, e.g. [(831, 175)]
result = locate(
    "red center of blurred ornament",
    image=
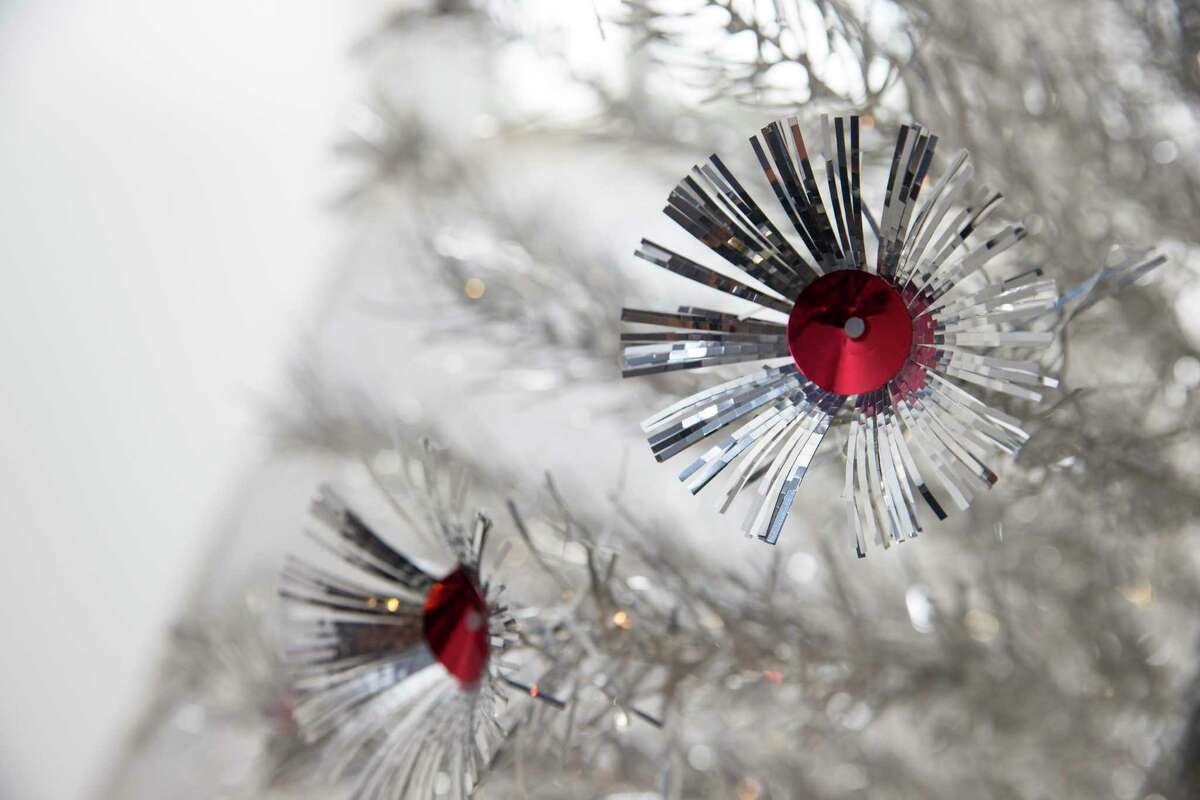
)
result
[(850, 332), (456, 626)]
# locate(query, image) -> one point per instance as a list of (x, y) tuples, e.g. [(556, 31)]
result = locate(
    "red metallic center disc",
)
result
[(456, 627), (849, 332)]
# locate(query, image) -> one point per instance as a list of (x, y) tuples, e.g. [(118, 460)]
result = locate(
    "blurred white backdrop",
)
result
[(164, 172)]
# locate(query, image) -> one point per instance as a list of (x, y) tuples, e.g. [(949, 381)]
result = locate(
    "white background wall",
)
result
[(163, 171)]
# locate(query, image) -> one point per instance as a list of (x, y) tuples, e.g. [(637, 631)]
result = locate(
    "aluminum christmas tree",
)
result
[(1041, 644)]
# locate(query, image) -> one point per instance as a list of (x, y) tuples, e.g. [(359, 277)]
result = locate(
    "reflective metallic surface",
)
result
[(895, 338), (850, 332), (394, 665)]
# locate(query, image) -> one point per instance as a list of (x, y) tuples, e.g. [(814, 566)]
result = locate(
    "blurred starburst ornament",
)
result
[(398, 662), (895, 334)]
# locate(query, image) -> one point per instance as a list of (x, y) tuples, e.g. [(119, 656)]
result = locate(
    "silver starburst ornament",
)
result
[(897, 334), (398, 663)]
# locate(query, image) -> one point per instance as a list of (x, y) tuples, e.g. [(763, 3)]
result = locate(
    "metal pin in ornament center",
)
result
[(855, 327)]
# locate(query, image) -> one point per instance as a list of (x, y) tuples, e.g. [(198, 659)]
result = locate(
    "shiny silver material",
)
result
[(372, 695), (930, 419)]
